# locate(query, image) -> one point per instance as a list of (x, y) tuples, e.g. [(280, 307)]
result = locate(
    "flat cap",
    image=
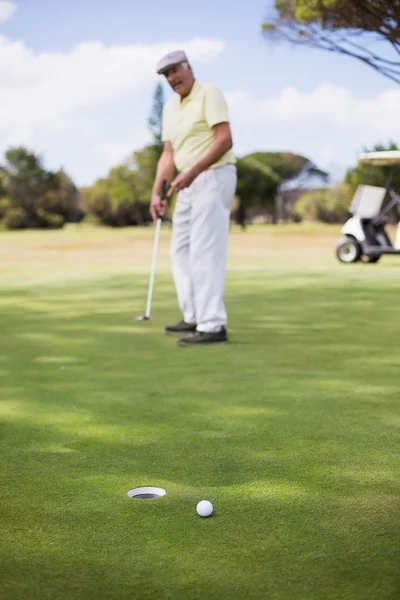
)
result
[(171, 59)]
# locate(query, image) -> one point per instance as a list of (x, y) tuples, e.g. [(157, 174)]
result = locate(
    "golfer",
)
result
[(198, 144)]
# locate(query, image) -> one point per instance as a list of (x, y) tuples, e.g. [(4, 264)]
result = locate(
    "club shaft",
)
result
[(153, 268)]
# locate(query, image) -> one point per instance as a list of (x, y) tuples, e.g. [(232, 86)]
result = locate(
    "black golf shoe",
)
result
[(204, 338), (181, 328)]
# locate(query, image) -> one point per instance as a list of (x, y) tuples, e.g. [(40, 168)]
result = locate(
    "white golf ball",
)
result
[(204, 508)]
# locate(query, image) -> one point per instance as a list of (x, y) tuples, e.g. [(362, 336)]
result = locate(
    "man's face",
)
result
[(180, 78)]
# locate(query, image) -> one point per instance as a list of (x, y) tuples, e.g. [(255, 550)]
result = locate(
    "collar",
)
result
[(193, 91)]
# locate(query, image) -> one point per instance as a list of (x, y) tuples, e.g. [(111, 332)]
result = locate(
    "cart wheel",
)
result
[(370, 259), (348, 250)]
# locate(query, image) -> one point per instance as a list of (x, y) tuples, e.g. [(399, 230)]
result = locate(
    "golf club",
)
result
[(146, 316)]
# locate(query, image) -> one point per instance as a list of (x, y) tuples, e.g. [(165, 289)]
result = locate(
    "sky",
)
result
[(78, 77)]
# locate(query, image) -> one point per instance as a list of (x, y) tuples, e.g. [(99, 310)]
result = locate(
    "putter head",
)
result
[(143, 318)]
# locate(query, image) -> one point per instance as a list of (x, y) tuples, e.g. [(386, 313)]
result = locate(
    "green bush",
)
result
[(327, 205), (4, 207), (48, 220), (36, 197), (100, 207), (91, 220), (15, 218), (117, 213)]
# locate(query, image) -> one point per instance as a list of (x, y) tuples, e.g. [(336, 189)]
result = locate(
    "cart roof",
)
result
[(387, 158)]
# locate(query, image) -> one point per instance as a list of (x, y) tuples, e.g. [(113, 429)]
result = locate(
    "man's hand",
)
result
[(165, 172), (221, 145), (182, 181), (157, 207)]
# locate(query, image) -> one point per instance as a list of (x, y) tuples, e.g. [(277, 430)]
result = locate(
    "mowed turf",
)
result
[(291, 431)]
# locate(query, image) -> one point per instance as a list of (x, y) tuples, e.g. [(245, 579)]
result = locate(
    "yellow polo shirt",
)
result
[(188, 123)]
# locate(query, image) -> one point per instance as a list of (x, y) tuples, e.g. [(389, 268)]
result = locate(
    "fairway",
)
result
[(291, 430)]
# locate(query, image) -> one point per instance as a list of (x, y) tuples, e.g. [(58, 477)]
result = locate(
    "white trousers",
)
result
[(199, 247)]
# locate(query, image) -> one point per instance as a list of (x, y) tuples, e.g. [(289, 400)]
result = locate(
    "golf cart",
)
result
[(365, 237)]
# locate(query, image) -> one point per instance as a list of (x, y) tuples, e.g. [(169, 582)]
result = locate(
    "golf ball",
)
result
[(204, 508)]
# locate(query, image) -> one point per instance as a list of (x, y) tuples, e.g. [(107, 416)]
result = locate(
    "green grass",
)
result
[(292, 430)]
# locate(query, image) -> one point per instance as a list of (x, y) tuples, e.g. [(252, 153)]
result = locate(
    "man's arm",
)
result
[(165, 170), (217, 117), (222, 143)]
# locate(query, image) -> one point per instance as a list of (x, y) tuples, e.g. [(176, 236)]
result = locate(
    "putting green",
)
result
[(291, 431)]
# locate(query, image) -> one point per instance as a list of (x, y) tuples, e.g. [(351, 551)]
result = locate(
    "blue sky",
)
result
[(78, 77)]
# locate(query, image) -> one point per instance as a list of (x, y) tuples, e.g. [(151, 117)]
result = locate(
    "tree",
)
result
[(123, 197), (122, 183), (326, 205), (97, 203), (351, 28), (156, 119), (60, 200), (284, 164), (32, 196), (262, 177), (3, 183), (144, 162), (123, 189), (256, 187), (118, 200), (372, 174), (25, 180)]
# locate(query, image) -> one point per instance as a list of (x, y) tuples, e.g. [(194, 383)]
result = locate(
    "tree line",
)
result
[(365, 30), (33, 197)]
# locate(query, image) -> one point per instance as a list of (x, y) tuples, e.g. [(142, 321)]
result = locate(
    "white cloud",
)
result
[(86, 108), (379, 115), (44, 90), (7, 9), (330, 122), (46, 96), (117, 151)]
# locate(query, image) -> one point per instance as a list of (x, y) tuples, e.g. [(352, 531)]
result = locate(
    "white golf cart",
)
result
[(365, 237)]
